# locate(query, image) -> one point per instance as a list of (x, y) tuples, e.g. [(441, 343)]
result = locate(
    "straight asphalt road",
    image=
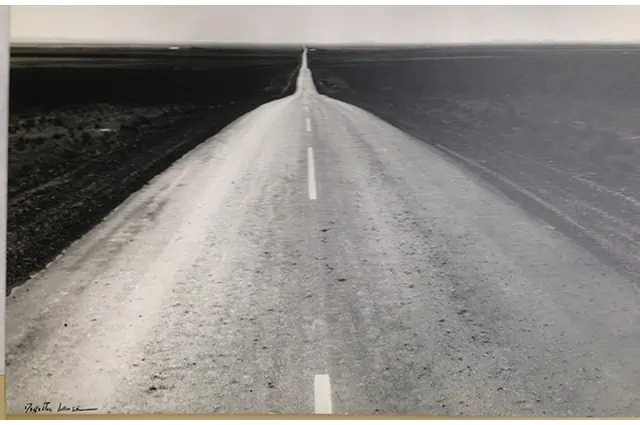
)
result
[(312, 258)]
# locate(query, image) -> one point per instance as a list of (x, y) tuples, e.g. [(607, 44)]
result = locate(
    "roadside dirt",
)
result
[(557, 133), (76, 154)]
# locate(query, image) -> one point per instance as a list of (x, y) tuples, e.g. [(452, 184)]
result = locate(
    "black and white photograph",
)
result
[(374, 210)]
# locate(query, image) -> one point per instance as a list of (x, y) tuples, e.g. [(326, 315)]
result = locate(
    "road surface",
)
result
[(312, 258)]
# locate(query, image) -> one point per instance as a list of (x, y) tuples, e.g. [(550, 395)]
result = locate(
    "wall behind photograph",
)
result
[(325, 24)]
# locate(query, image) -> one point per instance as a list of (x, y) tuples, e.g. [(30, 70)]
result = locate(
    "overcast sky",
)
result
[(325, 24)]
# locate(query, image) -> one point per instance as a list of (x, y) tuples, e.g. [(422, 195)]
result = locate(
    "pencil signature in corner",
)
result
[(48, 407)]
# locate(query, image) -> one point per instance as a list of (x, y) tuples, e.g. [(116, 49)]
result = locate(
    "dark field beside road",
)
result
[(89, 128), (554, 129)]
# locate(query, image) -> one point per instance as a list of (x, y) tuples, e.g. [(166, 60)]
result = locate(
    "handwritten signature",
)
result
[(48, 407)]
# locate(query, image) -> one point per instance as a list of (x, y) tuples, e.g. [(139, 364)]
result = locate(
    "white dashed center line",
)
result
[(322, 389), (308, 124), (312, 174)]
